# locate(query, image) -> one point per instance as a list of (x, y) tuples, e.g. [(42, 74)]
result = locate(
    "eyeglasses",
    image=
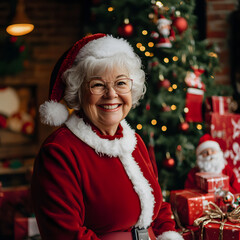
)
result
[(121, 86)]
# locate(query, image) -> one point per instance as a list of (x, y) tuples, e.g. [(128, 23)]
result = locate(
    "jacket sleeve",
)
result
[(57, 195)]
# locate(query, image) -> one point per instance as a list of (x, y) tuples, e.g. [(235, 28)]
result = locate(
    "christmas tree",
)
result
[(180, 72)]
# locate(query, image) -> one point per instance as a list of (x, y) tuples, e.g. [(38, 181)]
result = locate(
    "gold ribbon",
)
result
[(215, 212)]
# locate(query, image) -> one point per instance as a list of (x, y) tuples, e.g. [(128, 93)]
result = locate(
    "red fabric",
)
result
[(78, 194), (234, 186), (194, 104), (204, 138), (20, 228)]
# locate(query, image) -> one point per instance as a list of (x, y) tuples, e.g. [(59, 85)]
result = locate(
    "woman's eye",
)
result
[(97, 84), (121, 82)]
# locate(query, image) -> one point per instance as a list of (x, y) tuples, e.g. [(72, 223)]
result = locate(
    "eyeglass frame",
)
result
[(112, 85)]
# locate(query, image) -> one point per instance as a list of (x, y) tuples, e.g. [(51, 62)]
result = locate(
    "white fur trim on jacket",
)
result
[(170, 235), (123, 149)]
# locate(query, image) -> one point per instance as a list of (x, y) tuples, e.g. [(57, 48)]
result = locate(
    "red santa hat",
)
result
[(54, 113), (207, 141)]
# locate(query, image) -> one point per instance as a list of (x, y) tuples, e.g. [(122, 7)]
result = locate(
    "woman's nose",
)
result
[(110, 92)]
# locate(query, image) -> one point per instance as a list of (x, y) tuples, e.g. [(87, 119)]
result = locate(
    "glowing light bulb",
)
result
[(139, 45), (174, 86), (110, 9), (144, 32), (199, 126), (150, 44), (154, 122), (147, 54), (175, 58), (139, 126), (164, 128), (166, 60)]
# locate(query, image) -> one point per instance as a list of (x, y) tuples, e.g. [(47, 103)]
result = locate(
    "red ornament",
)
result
[(168, 162), (181, 24), (21, 48), (125, 30), (179, 148), (228, 198), (13, 39), (147, 106), (184, 126), (164, 83)]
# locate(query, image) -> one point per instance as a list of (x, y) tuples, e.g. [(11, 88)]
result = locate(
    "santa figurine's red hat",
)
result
[(99, 45), (207, 141)]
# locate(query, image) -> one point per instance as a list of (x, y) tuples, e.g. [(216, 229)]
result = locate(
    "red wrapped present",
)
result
[(217, 225), (218, 104), (189, 204), (213, 231), (209, 182), (16, 202), (190, 232), (25, 227), (225, 129)]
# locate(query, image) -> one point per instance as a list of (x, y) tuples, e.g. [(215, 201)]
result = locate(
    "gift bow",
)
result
[(217, 213)]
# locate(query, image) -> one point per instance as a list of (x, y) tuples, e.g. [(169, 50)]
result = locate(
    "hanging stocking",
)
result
[(194, 100)]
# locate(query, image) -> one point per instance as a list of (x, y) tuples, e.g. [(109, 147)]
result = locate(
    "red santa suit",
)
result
[(85, 185)]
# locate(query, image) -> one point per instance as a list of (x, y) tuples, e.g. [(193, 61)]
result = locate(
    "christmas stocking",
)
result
[(194, 99)]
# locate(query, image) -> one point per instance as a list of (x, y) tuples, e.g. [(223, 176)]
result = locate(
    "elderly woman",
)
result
[(93, 178)]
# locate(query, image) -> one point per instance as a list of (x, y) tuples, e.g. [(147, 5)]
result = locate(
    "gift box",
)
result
[(16, 202), (218, 104), (25, 227), (216, 230), (217, 225), (225, 129), (189, 204), (210, 182), (190, 232)]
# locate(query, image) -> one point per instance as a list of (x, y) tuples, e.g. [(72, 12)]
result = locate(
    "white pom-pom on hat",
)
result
[(53, 113)]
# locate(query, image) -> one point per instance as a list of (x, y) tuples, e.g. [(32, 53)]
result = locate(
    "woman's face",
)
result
[(106, 110)]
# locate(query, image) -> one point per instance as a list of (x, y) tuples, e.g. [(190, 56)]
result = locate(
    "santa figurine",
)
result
[(209, 158), (165, 33)]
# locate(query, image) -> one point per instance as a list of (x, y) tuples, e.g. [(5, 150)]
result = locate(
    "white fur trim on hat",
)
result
[(207, 144), (106, 47), (53, 113), (170, 235)]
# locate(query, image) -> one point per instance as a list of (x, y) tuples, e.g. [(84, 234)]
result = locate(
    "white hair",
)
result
[(99, 55)]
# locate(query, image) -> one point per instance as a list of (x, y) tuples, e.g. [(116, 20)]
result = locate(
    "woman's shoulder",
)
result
[(59, 136)]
